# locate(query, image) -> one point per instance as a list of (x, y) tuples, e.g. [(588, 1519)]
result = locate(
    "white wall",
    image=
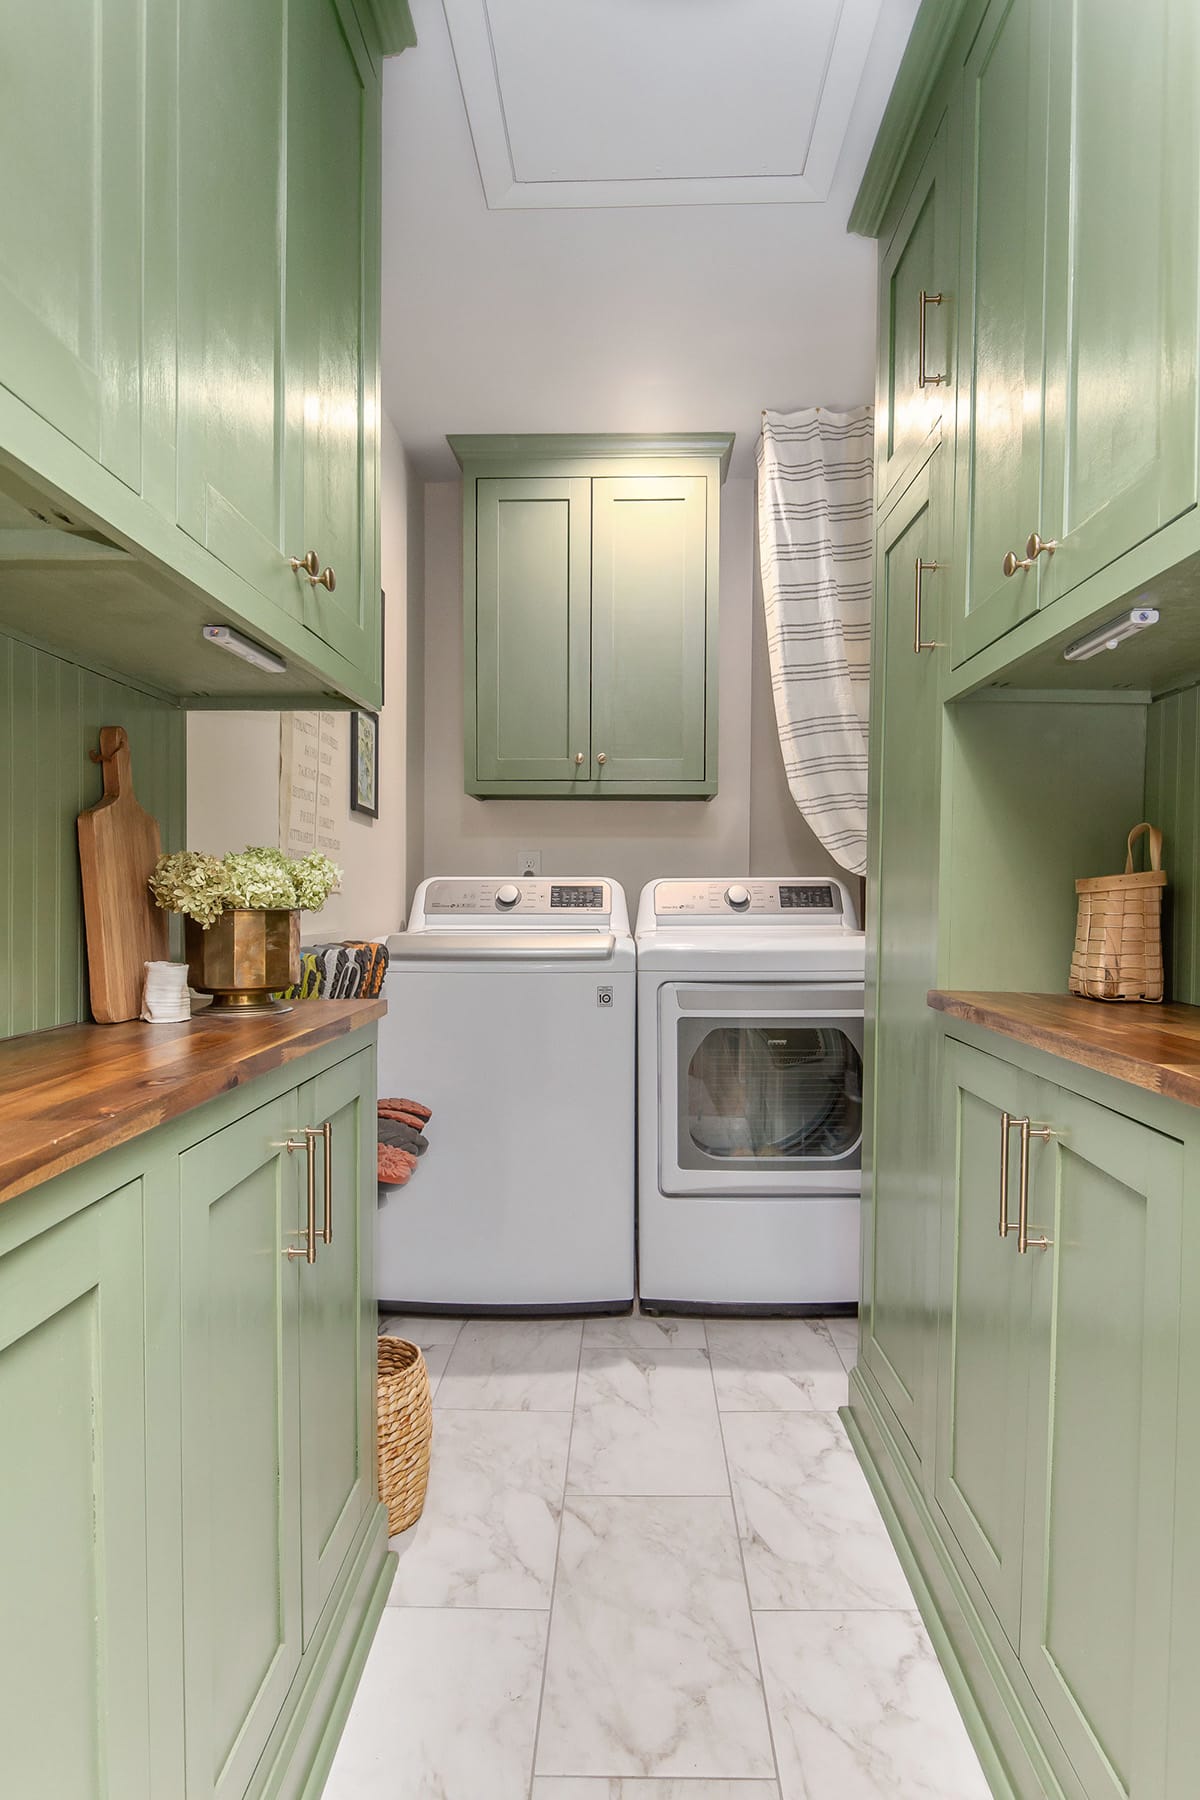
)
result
[(631, 840), (233, 758)]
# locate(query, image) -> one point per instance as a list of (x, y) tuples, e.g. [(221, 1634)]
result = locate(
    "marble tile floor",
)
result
[(649, 1568)]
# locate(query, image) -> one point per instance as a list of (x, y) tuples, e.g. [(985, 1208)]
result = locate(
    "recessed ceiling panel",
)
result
[(658, 102)]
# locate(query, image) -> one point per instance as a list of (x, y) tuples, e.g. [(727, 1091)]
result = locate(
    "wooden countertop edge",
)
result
[(76, 1138), (1112, 1051)]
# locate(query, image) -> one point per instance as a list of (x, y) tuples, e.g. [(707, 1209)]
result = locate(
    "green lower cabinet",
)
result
[(984, 1347), (241, 1451), (1099, 1508), (73, 1644), (899, 1320), (338, 1324)]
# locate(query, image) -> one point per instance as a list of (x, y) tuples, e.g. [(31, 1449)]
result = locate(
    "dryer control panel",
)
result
[(792, 901), (560, 902)]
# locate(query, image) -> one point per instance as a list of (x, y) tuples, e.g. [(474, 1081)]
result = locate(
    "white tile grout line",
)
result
[(737, 1532), (537, 1725)]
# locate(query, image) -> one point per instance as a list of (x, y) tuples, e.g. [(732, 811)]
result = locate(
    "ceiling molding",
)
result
[(809, 163), (591, 446)]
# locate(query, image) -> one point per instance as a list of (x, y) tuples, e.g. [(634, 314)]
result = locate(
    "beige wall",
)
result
[(750, 825), (233, 758)]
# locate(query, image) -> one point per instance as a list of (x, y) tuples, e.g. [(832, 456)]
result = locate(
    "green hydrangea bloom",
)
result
[(258, 878)]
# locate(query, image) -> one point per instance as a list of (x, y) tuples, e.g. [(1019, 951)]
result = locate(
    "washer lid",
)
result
[(501, 946)]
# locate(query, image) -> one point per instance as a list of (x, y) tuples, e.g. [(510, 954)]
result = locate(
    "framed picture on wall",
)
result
[(364, 763)]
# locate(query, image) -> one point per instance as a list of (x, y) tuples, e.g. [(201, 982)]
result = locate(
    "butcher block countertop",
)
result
[(1153, 1047), (70, 1094)]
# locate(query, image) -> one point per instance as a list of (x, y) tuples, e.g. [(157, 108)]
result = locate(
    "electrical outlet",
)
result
[(529, 862)]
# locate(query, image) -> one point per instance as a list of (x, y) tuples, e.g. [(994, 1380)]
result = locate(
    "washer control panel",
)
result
[(467, 898), (815, 902)]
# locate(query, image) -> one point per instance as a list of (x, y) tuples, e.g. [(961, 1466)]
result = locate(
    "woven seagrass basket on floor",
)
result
[(1118, 935), (405, 1431)]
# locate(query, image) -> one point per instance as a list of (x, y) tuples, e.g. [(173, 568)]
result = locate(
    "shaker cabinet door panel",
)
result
[(917, 277), (901, 1235), (984, 1347), (530, 684), (332, 306), (1095, 1623), (337, 1334), (241, 1474), (1123, 281), (235, 424), (71, 223), (73, 1646), (1000, 317), (650, 642)]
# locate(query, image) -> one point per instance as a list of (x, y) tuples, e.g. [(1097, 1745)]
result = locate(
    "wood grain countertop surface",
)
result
[(69, 1094), (1153, 1047)]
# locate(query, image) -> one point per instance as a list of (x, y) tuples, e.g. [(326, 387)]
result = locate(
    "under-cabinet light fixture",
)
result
[(1107, 637), (248, 650)]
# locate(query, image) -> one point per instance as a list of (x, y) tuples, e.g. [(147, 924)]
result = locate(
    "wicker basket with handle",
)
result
[(405, 1431), (1118, 935)]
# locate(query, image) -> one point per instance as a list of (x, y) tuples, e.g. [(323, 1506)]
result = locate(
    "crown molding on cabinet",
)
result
[(591, 445)]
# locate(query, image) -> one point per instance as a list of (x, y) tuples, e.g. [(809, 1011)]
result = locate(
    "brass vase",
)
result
[(244, 958)]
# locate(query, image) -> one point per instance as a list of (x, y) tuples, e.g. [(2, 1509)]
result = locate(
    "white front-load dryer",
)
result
[(511, 1014), (750, 1091)]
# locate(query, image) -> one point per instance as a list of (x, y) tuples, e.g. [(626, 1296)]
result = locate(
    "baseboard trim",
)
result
[(997, 1722), (297, 1761)]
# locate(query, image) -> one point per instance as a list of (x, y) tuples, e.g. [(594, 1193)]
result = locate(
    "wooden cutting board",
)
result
[(119, 844)]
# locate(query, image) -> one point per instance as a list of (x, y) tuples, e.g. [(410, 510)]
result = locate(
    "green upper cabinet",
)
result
[(71, 223), (918, 274), (1122, 282), (900, 1222), (527, 627), (1003, 136), (590, 616), (333, 206)]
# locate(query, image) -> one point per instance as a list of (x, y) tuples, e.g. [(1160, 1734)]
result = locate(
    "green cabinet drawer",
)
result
[(73, 1648), (900, 1223)]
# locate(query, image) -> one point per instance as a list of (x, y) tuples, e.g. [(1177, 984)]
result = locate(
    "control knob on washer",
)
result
[(738, 897), (507, 896)]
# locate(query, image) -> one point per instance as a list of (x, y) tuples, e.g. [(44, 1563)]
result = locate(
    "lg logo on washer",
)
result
[(604, 996)]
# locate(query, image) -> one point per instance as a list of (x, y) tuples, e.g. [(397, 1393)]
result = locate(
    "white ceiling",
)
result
[(592, 240)]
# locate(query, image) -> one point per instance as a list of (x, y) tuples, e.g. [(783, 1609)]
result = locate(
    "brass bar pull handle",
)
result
[(1006, 1124), (325, 1133), (924, 378), (920, 643), (308, 1250), (1034, 545), (1024, 1242)]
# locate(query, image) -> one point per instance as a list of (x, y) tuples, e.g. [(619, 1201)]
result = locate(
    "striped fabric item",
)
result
[(815, 482)]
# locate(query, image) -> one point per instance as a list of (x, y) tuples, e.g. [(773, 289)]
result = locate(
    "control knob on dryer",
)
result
[(738, 897), (507, 896)]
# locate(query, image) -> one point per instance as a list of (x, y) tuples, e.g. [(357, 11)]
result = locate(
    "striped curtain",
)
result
[(814, 538)]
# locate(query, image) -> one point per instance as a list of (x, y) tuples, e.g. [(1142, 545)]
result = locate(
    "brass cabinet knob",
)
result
[(326, 579), (1034, 545), (601, 757), (579, 759), (1012, 562), (308, 564)]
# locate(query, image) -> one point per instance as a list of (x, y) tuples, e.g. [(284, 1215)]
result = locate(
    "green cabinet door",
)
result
[(73, 1662), (338, 1326), (1095, 1623), (71, 222), (333, 182), (917, 278), (1000, 317), (901, 1187), (527, 649), (236, 426), (984, 1346), (1123, 281), (240, 1201), (652, 658)]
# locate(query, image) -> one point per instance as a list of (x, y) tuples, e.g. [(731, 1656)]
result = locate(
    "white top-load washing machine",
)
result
[(750, 1088), (511, 1014)]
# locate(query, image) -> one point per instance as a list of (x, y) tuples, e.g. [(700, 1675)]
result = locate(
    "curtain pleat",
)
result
[(815, 500)]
